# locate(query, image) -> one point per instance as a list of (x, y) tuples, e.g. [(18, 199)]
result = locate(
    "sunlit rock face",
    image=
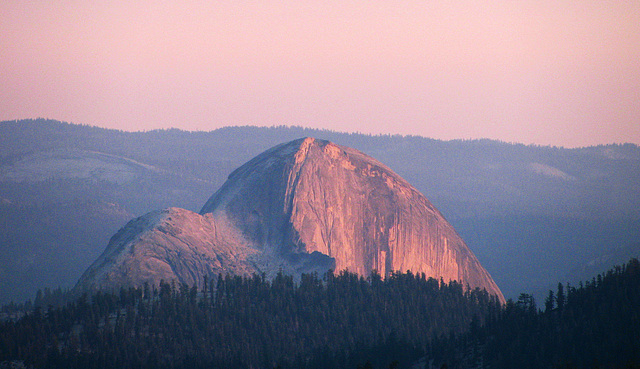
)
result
[(311, 195), (304, 206)]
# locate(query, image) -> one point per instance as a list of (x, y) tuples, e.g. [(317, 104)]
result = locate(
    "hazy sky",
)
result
[(548, 72)]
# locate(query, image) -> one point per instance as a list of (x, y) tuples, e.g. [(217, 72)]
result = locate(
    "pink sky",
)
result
[(563, 73)]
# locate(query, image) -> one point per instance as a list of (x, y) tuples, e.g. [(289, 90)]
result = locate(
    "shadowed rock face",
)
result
[(178, 244), (314, 196), (170, 244), (307, 205)]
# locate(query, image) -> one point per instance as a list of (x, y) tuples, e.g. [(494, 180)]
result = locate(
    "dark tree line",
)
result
[(250, 322), (593, 325), (338, 321)]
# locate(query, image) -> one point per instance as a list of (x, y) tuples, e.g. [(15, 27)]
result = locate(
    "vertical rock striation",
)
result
[(311, 195), (307, 205)]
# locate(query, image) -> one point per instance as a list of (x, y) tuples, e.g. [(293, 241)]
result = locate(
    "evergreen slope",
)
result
[(339, 321), (595, 325)]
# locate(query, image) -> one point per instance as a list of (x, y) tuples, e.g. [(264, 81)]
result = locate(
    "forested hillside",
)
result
[(529, 213), (593, 325), (341, 321)]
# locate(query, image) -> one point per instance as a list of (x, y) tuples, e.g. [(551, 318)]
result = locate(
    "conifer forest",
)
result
[(333, 321)]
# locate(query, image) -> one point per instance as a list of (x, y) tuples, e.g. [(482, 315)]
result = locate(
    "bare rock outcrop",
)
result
[(311, 195), (170, 244), (307, 205), (179, 245)]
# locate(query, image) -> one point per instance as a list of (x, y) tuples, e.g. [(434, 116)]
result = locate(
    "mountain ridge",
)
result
[(485, 188), (300, 206)]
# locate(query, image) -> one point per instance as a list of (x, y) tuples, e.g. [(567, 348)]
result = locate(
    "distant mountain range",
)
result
[(529, 213)]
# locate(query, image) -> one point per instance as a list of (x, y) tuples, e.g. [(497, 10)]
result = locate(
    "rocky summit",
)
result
[(303, 206)]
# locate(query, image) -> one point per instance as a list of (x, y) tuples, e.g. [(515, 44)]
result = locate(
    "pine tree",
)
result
[(549, 302), (560, 297)]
